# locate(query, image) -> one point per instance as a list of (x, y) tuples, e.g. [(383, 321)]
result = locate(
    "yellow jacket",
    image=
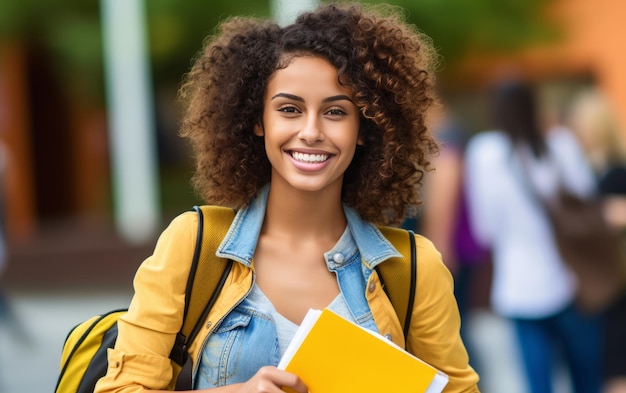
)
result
[(146, 333)]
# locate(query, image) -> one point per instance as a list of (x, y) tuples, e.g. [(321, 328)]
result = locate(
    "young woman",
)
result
[(315, 133)]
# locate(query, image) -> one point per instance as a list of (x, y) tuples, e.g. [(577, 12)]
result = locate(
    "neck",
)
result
[(303, 214)]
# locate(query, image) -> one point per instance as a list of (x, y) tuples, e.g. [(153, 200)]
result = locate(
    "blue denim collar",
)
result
[(241, 239)]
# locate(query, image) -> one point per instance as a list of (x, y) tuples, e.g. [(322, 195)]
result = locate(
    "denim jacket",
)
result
[(147, 331)]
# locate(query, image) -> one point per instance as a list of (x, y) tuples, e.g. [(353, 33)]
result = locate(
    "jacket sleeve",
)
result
[(434, 335), (147, 332)]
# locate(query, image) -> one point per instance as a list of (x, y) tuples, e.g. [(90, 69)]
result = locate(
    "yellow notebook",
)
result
[(333, 355)]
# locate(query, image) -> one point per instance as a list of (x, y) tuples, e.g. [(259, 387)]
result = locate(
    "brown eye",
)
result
[(288, 109), (336, 112)]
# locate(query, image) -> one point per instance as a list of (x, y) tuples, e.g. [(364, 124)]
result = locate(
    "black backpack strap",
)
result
[(401, 273), (207, 276), (411, 302)]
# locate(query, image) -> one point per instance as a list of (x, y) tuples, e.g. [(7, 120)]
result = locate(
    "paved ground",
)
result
[(29, 360), (65, 274)]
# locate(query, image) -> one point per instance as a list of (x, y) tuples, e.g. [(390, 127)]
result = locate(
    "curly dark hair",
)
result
[(387, 63)]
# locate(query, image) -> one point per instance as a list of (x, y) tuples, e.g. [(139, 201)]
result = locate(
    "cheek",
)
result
[(354, 136), (349, 146)]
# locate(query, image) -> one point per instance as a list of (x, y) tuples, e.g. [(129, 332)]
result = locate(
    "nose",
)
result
[(311, 131)]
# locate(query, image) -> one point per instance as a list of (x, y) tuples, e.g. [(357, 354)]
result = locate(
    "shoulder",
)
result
[(186, 226), (564, 145), (429, 260), (487, 157), (175, 243), (488, 145), (561, 137), (183, 225)]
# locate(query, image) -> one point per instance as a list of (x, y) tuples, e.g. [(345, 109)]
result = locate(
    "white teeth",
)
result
[(311, 158)]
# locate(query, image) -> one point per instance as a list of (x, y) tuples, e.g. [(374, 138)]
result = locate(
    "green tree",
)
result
[(458, 27)]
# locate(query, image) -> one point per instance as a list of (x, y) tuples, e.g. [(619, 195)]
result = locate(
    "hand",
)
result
[(270, 379)]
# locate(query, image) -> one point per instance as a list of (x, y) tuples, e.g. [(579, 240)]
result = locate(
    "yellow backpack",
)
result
[(84, 355)]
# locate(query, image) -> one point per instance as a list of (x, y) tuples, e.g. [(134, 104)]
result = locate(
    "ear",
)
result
[(259, 130), (360, 141)]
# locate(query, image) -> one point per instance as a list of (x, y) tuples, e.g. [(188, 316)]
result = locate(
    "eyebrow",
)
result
[(339, 97)]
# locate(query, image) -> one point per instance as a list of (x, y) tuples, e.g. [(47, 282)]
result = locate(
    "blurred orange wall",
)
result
[(593, 42)]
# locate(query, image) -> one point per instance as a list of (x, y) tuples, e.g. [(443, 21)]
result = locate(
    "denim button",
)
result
[(388, 336), (338, 257), (372, 286)]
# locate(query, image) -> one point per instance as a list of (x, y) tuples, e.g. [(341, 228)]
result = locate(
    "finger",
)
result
[(297, 387), (281, 378)]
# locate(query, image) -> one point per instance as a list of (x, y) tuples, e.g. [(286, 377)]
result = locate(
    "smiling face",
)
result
[(310, 125)]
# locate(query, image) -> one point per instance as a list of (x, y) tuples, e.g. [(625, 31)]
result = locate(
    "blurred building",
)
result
[(57, 145)]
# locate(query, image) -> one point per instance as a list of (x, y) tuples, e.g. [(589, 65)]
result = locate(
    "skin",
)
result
[(616, 385), (306, 112)]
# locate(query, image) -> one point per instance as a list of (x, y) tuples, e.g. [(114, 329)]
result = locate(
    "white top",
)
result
[(285, 329), (529, 278)]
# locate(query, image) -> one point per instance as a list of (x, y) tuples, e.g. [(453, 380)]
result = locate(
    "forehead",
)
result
[(307, 72)]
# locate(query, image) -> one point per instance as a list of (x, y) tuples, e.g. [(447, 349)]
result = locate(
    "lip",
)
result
[(309, 166)]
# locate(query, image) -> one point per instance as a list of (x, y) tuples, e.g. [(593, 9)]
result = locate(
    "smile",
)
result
[(309, 158)]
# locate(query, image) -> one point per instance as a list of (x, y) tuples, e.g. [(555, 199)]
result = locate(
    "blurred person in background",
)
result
[(445, 221), (605, 146), (532, 286)]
